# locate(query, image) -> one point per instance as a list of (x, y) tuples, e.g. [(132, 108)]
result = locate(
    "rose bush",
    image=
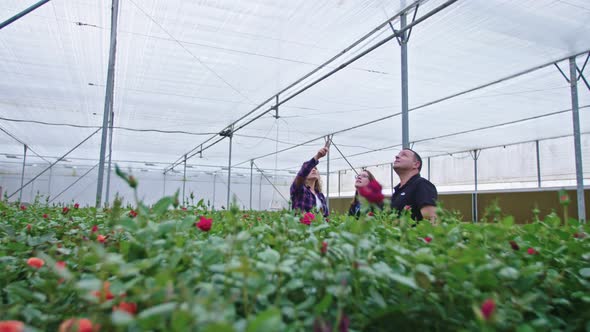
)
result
[(170, 269)]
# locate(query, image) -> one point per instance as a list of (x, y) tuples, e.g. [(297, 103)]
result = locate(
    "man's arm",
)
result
[(426, 196), (429, 213)]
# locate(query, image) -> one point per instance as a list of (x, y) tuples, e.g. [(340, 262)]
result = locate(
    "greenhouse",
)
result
[(209, 109)]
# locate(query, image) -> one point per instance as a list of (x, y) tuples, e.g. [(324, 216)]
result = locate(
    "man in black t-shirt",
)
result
[(413, 192)]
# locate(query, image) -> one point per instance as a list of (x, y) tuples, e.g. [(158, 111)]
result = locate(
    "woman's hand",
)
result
[(321, 153)]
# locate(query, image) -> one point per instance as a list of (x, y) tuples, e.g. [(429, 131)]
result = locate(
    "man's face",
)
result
[(405, 160)]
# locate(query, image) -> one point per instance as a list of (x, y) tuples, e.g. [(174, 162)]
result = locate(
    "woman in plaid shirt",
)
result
[(306, 190)]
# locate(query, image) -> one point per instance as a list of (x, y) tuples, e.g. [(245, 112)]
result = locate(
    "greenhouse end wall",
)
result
[(519, 204)]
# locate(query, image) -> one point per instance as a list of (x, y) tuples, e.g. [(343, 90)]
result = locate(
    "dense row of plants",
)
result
[(170, 268)]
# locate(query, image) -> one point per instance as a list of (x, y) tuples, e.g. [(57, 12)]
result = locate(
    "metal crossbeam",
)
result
[(23, 13)]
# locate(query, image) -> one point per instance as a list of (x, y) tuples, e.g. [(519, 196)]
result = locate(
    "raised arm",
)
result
[(308, 166)]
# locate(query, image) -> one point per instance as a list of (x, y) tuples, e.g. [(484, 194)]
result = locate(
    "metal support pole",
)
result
[(107, 200), (22, 176), (164, 189), (49, 183), (229, 172), (214, 187), (428, 168), (184, 182), (391, 170), (538, 164), (23, 13), (108, 104), (32, 199), (475, 205), (404, 73), (577, 141), (260, 193), (328, 180), (339, 174), (251, 178)]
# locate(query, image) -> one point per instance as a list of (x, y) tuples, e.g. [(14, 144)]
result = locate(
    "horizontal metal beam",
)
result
[(325, 64), (469, 131), (500, 80), (23, 13)]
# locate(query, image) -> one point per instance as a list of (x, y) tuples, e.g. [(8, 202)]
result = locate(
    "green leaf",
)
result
[(508, 221), (89, 284), (162, 205), (160, 309), (422, 280), (128, 224), (181, 320), (509, 273), (525, 328), (266, 321), (324, 304), (585, 272), (121, 318), (270, 256), (218, 327)]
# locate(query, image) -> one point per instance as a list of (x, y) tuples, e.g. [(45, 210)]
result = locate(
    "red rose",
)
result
[(564, 198), (344, 324), (35, 262), (65, 210), (307, 218), (11, 326), (514, 245), (101, 238), (204, 224), (183, 208), (132, 181), (78, 325), (487, 308), (76, 206), (132, 214), (94, 229), (128, 307), (532, 251), (427, 239), (60, 265), (324, 248), (372, 192), (370, 214), (29, 227), (104, 294), (23, 208), (45, 216)]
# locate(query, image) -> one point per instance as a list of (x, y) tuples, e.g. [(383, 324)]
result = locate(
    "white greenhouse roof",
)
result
[(185, 70)]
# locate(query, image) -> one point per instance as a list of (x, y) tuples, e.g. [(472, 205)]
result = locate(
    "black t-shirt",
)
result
[(416, 193)]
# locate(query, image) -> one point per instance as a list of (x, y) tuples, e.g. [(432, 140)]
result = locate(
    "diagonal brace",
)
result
[(267, 179), (23, 13)]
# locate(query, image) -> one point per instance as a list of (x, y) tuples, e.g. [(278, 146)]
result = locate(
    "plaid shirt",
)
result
[(301, 196)]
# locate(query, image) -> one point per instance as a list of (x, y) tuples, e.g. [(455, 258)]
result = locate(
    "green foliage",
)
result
[(266, 271)]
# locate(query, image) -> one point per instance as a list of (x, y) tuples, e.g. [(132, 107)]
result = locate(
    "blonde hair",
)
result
[(317, 187)]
